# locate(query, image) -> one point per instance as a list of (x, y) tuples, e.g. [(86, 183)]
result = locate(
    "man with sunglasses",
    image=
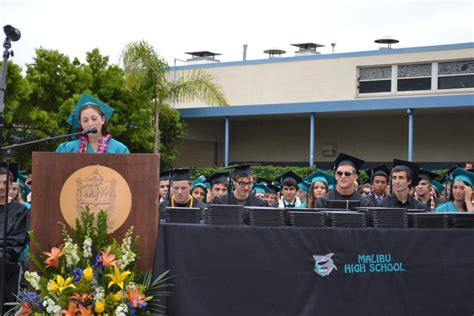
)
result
[(346, 167), (242, 180)]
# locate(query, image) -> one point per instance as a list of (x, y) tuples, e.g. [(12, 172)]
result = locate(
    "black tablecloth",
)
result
[(242, 270)]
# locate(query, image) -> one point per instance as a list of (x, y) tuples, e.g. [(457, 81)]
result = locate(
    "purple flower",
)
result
[(99, 263), (77, 274), (29, 297)]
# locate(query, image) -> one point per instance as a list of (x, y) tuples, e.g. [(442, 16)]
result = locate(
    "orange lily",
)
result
[(25, 310), (135, 298), (81, 298), (108, 258), (53, 257), (85, 311), (71, 310)]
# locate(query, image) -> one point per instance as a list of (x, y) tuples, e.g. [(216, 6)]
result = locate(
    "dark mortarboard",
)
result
[(345, 159), (463, 175), (180, 174), (13, 168), (264, 181), (414, 167), (87, 99), (241, 170), (427, 175), (165, 175), (381, 170), (289, 175), (273, 188), (216, 178)]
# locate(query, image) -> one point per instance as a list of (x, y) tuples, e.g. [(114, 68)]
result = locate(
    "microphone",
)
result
[(12, 33), (92, 130)]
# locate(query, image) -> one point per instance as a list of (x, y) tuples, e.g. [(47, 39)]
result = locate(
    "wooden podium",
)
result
[(140, 171)]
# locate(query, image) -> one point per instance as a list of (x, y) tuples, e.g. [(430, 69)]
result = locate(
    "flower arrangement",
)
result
[(89, 275)]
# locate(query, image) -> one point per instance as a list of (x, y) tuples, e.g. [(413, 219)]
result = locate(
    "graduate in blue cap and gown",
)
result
[(199, 190), (346, 173), (460, 197), (242, 181), (92, 113), (319, 186)]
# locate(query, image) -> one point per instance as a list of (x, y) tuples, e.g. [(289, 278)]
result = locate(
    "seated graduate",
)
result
[(379, 179), (403, 174), (218, 183), (242, 180), (199, 190), (17, 233), (289, 184), (346, 174), (180, 191), (460, 197), (92, 113), (423, 190), (164, 184), (319, 187)]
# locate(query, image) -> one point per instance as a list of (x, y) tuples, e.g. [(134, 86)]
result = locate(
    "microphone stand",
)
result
[(9, 152)]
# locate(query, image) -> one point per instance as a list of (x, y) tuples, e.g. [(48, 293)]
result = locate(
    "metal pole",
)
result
[(410, 134), (226, 159), (311, 141)]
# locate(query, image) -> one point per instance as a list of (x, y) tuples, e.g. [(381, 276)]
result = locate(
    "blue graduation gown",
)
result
[(115, 147)]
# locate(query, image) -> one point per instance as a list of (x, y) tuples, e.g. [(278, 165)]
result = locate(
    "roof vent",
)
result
[(274, 52), (202, 57), (306, 49), (386, 40)]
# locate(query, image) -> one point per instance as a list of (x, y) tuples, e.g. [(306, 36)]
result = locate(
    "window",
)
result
[(375, 79), (414, 77), (456, 75)]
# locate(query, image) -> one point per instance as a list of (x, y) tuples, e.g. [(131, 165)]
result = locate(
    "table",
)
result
[(243, 270)]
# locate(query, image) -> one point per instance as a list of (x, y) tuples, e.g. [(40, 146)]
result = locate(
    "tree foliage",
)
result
[(38, 103)]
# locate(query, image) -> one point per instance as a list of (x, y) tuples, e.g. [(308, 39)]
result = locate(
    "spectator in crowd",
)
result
[(379, 178), (319, 187), (289, 187), (423, 190), (364, 190), (218, 182), (164, 184)]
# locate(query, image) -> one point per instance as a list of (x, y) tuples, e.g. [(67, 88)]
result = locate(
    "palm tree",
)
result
[(148, 73)]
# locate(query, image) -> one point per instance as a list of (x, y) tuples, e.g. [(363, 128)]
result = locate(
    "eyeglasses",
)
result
[(346, 173), (245, 184)]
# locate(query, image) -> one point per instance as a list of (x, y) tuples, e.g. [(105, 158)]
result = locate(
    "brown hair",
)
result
[(105, 127), (311, 199)]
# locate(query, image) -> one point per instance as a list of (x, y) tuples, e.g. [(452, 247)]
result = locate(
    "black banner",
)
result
[(225, 270)]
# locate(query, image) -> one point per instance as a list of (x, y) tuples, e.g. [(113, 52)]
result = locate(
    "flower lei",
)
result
[(101, 149)]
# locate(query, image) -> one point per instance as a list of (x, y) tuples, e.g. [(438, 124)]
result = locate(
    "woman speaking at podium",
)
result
[(92, 115)]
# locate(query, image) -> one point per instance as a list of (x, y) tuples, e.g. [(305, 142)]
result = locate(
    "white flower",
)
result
[(128, 256), (33, 278), (99, 293), (87, 247), (70, 253), (51, 307), (131, 286), (121, 310)]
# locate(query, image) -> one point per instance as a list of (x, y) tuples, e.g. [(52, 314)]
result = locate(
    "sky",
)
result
[(74, 27)]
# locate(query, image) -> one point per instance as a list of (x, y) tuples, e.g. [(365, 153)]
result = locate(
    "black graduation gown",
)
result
[(229, 199), (411, 203), (167, 203), (334, 195)]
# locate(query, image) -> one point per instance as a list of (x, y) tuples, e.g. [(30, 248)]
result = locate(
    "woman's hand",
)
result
[(468, 198)]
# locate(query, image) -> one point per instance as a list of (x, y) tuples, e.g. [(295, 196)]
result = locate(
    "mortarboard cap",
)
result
[(264, 181), (180, 174), (438, 186), (320, 176), (87, 99), (289, 175), (448, 175), (427, 175), (273, 188), (13, 168), (200, 182), (463, 175), (303, 186), (345, 159), (165, 175), (381, 170), (241, 171), (261, 188), (216, 178), (414, 167)]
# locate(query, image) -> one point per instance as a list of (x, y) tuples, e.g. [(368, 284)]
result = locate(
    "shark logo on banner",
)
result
[(323, 265)]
